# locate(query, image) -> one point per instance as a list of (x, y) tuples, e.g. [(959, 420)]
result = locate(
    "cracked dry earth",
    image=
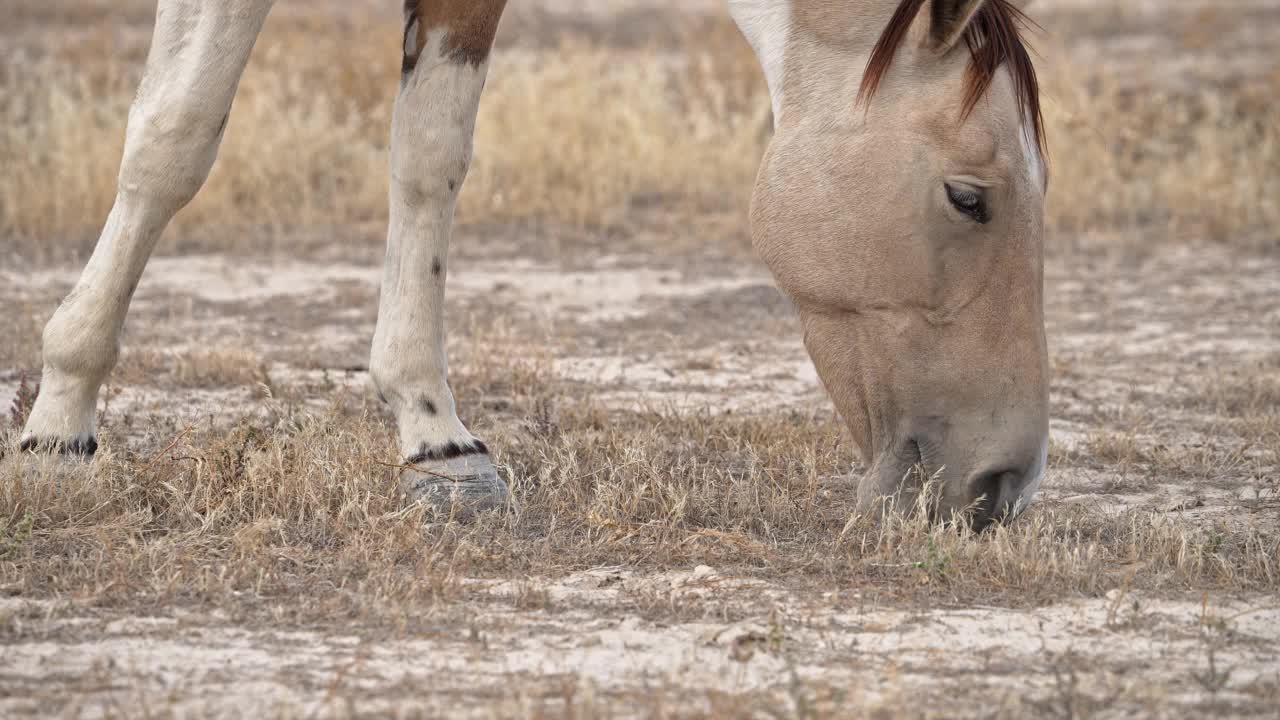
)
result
[(1137, 347), (832, 647)]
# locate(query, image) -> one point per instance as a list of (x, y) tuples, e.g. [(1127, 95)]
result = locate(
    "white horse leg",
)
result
[(446, 50), (198, 51)]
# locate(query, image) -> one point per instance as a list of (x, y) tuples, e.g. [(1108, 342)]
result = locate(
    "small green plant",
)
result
[(935, 560), (15, 534), (1215, 542)]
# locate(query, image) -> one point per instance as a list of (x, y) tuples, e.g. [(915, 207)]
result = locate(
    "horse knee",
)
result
[(167, 156)]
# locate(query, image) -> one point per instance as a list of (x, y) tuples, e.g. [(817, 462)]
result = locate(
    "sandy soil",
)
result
[(584, 651)]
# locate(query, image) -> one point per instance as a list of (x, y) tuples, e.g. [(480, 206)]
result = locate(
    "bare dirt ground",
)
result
[(687, 545), (1133, 357)]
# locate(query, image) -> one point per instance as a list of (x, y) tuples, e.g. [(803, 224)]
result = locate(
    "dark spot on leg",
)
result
[(426, 405), (448, 451), (453, 184), (436, 267)]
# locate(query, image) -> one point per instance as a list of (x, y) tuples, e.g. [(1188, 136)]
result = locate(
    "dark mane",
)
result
[(994, 37)]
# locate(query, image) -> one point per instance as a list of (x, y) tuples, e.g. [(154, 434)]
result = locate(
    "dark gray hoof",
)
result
[(458, 486), (76, 447)]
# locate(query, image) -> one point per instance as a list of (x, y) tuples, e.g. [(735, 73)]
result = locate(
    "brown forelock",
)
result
[(469, 25), (994, 38), (886, 47)]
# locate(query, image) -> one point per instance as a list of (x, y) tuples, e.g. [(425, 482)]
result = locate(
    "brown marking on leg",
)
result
[(426, 405), (469, 27)]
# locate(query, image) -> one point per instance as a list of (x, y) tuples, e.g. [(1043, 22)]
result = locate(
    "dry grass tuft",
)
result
[(1243, 392), (190, 368)]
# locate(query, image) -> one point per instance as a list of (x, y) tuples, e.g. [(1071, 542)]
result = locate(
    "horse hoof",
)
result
[(77, 447), (459, 487)]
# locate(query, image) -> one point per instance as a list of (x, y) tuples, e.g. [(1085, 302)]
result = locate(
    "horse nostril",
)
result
[(992, 492)]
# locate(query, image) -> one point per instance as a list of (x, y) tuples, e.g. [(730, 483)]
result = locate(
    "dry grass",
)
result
[(1234, 413), (190, 368), (1180, 163), (281, 507), (602, 132), (1243, 392), (580, 134)]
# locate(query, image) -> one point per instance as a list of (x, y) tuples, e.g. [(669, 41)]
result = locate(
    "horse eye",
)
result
[(969, 201)]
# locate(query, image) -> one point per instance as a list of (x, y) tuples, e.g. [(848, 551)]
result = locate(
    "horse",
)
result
[(899, 205)]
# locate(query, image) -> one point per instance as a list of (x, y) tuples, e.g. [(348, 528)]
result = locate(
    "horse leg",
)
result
[(446, 50), (198, 52)]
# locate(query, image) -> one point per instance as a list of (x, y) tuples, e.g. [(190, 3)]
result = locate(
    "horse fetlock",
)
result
[(429, 426), (77, 346), (63, 417)]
